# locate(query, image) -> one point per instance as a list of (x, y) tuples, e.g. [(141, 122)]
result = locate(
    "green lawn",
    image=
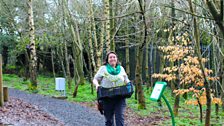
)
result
[(188, 114)]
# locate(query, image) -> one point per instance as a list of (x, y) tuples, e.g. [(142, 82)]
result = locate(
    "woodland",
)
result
[(176, 41)]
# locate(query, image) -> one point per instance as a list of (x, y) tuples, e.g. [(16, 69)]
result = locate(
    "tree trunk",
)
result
[(68, 74), (171, 42), (38, 60), (52, 61), (93, 24), (154, 69), (5, 55), (215, 55), (127, 52), (78, 81), (5, 94), (1, 83), (112, 25), (80, 55), (222, 80), (200, 109), (218, 16), (147, 65), (90, 26), (141, 98), (176, 101), (79, 61), (139, 82), (67, 63), (151, 64), (177, 87), (136, 72), (206, 82), (90, 73), (79, 75), (77, 51), (107, 17), (33, 57), (99, 51), (26, 71), (162, 63), (221, 74), (60, 56)]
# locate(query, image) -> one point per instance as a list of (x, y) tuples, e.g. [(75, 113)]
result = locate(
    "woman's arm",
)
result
[(126, 80), (98, 77), (95, 82)]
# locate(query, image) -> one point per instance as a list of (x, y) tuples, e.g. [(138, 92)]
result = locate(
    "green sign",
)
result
[(158, 90), (157, 93)]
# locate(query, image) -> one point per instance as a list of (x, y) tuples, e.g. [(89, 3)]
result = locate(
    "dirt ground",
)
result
[(133, 119), (20, 113)]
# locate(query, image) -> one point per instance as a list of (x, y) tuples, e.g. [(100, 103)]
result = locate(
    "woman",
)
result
[(111, 74)]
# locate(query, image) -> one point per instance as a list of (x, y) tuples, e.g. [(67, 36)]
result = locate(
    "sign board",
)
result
[(157, 93), (158, 90), (60, 84)]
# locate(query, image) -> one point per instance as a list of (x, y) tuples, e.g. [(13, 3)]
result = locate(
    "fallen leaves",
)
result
[(18, 112)]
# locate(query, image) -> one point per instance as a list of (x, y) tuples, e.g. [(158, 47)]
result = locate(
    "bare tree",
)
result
[(139, 82), (32, 48), (107, 17), (92, 34)]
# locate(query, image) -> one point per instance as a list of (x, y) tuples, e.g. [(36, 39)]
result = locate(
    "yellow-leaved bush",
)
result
[(189, 71)]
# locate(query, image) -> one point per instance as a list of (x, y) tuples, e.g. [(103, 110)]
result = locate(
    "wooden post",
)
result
[(1, 83), (6, 94)]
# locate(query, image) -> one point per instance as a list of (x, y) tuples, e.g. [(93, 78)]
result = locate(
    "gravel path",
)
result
[(71, 114)]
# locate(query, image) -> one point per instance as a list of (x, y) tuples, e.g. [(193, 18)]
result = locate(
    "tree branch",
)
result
[(190, 13), (216, 15), (118, 16)]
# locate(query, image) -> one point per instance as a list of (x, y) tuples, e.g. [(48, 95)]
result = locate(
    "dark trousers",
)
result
[(114, 107)]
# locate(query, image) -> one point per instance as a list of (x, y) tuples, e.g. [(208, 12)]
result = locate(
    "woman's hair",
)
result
[(107, 56)]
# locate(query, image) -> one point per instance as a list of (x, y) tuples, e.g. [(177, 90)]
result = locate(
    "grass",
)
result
[(188, 114)]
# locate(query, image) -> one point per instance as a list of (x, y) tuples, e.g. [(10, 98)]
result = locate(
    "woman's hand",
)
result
[(97, 86)]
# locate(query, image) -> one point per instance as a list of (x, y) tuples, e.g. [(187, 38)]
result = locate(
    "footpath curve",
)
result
[(71, 114)]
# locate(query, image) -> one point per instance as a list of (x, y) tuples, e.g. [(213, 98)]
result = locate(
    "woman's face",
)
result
[(112, 59)]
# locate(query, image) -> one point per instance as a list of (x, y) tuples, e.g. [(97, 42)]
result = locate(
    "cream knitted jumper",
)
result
[(108, 80)]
